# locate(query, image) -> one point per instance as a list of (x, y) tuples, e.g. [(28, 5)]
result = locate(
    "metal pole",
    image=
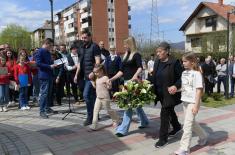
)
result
[(227, 73), (52, 21)]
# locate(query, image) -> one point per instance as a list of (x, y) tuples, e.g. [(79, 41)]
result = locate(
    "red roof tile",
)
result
[(221, 10)]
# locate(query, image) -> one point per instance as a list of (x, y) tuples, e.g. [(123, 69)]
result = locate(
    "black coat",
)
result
[(171, 75)]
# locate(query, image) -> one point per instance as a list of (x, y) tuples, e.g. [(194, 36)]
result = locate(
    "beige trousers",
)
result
[(98, 105), (190, 125)]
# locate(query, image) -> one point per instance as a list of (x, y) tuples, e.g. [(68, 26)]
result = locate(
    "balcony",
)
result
[(84, 15), (85, 25), (84, 5)]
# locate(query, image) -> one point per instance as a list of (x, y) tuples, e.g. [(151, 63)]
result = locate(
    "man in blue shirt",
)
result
[(45, 75)]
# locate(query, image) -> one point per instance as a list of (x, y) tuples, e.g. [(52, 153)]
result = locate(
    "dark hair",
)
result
[(48, 41), (192, 57), (63, 45), (12, 55), (100, 67), (88, 33), (54, 55)]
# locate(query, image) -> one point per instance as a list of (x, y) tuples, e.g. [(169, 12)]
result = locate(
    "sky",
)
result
[(171, 14)]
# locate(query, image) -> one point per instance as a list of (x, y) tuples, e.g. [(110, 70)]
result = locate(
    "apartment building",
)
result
[(66, 25), (107, 20), (41, 33)]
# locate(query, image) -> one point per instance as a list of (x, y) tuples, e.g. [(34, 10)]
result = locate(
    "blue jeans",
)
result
[(223, 80), (36, 87), (23, 97), (4, 94), (124, 127), (89, 96), (45, 95)]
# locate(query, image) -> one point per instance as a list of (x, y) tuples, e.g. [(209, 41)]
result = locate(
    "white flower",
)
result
[(143, 91)]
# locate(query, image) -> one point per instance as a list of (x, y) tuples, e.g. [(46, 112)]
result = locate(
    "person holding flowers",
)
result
[(167, 80), (131, 69)]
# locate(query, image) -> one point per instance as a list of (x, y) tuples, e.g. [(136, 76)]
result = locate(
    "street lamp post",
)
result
[(228, 52), (52, 21)]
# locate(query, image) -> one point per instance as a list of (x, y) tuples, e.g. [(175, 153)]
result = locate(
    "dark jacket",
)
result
[(87, 57), (43, 61), (171, 75)]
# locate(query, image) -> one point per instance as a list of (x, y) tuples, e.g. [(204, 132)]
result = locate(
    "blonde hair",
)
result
[(190, 56), (130, 41)]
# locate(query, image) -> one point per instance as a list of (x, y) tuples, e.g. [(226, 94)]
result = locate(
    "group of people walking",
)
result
[(98, 74)]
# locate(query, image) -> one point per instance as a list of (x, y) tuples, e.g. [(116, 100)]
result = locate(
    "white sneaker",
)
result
[(9, 104), (181, 152), (23, 108), (5, 109), (27, 107)]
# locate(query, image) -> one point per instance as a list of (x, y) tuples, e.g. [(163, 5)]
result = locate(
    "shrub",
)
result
[(217, 96), (204, 97)]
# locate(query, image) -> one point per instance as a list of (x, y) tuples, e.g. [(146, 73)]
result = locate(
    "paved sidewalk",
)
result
[(24, 133)]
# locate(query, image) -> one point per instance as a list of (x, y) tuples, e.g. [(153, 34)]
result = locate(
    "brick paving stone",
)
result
[(65, 137)]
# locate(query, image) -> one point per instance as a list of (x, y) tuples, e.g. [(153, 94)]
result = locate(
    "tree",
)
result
[(17, 36)]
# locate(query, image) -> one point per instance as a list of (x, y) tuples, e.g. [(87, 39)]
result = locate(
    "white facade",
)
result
[(66, 26), (197, 28), (111, 22), (197, 24), (39, 35)]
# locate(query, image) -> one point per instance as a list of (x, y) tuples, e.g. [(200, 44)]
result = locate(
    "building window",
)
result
[(71, 25), (111, 29), (110, 10), (111, 39), (195, 42), (72, 16), (211, 21), (111, 19), (66, 18)]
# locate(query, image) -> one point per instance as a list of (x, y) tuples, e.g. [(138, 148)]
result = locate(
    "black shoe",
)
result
[(43, 115), (119, 135), (86, 123), (161, 143), (174, 132), (142, 127)]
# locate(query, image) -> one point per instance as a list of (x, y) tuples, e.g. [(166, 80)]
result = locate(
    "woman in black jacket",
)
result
[(167, 80)]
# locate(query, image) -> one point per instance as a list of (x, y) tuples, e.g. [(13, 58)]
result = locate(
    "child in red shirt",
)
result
[(11, 62), (23, 79), (4, 85)]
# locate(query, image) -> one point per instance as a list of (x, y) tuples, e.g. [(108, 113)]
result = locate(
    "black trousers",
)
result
[(57, 92), (168, 116), (70, 78), (223, 80), (208, 87), (65, 83)]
